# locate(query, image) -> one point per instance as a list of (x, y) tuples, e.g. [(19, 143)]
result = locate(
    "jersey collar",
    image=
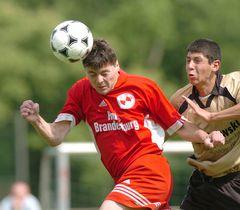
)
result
[(121, 79), (216, 89)]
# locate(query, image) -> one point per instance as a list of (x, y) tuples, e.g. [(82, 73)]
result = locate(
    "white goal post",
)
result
[(60, 155)]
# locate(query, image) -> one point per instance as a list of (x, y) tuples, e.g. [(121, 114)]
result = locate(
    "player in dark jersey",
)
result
[(211, 101), (128, 116)]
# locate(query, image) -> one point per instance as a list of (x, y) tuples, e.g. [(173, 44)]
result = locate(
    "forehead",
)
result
[(105, 68), (195, 55)]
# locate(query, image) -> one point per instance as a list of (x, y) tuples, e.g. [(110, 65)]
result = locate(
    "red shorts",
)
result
[(146, 183)]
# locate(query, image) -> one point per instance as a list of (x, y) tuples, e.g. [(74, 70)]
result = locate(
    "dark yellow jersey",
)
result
[(225, 94)]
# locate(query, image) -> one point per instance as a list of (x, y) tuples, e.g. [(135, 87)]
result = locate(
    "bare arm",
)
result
[(192, 133), (53, 133), (225, 163), (226, 114)]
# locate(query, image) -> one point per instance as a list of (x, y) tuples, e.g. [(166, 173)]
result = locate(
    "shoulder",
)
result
[(80, 85), (32, 198), (176, 99), (144, 83), (232, 76), (6, 201), (79, 89), (231, 80), (82, 82), (32, 202), (140, 78)]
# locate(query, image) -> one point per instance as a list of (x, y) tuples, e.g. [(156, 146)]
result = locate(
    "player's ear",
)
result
[(216, 65), (116, 64)]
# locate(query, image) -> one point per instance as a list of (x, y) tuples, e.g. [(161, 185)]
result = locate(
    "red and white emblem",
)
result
[(126, 100)]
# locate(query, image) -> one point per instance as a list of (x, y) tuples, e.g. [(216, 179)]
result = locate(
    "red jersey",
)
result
[(127, 123)]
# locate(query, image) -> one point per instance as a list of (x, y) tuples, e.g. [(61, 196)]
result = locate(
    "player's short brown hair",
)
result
[(101, 55), (209, 48)]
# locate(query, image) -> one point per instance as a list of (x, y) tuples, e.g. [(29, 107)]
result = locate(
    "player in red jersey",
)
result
[(128, 116)]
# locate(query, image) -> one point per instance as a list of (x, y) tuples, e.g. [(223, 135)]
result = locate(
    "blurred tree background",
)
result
[(150, 37)]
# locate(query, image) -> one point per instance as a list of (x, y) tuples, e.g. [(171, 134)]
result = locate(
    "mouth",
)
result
[(191, 76), (101, 87)]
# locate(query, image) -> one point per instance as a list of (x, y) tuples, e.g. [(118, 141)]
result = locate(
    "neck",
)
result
[(206, 87)]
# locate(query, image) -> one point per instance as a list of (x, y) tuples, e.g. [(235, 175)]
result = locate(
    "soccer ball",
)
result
[(71, 41)]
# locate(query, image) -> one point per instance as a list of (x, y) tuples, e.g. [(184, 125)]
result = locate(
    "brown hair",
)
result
[(101, 55)]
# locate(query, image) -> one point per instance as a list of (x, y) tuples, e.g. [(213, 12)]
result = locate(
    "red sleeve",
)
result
[(73, 104), (162, 110)]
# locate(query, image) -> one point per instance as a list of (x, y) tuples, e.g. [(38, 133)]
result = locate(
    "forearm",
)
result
[(191, 132), (226, 114), (225, 163), (47, 132), (53, 133)]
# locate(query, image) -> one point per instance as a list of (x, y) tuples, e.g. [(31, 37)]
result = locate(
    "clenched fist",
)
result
[(29, 110)]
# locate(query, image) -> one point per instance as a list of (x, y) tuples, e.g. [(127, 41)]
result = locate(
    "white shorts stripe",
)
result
[(132, 195), (137, 194), (137, 197), (135, 200)]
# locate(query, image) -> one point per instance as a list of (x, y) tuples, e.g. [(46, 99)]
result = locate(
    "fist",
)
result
[(29, 110), (215, 138)]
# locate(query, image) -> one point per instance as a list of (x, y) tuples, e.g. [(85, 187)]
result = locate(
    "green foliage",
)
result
[(139, 30)]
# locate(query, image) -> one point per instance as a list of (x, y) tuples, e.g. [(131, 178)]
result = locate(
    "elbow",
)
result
[(54, 142)]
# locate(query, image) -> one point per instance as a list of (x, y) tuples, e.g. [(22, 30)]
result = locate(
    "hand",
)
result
[(29, 110), (215, 138), (203, 166), (199, 111)]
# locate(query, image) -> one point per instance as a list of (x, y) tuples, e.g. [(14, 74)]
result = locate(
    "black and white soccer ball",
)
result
[(71, 41)]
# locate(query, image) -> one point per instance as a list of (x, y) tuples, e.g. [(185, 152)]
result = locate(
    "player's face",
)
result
[(199, 71), (103, 79)]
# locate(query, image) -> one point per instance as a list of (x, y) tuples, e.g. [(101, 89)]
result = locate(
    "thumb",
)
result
[(189, 101), (203, 166), (194, 163), (36, 108), (208, 143)]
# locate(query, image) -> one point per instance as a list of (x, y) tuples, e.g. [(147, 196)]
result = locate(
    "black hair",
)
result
[(209, 48)]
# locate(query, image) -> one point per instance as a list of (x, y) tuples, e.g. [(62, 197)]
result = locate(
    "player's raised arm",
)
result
[(54, 133)]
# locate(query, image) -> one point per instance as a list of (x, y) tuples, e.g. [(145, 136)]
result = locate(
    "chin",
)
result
[(193, 82), (103, 92)]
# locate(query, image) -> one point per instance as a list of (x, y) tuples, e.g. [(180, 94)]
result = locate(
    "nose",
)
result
[(99, 79), (190, 65)]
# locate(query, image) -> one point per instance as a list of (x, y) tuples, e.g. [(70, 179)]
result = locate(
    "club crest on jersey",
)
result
[(126, 100)]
